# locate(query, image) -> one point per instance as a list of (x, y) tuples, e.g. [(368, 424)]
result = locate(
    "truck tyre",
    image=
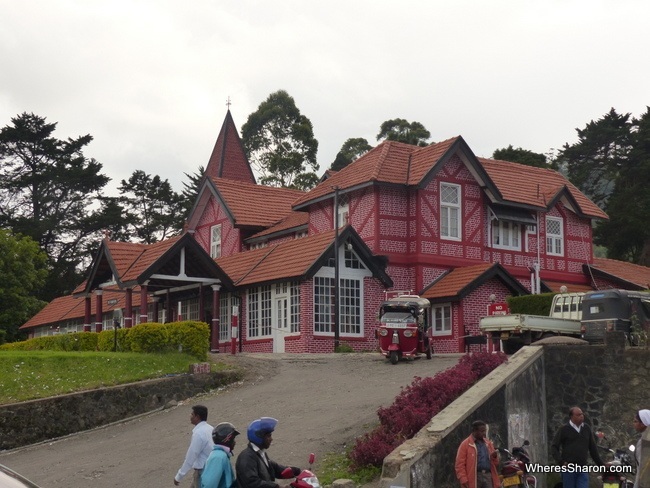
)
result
[(393, 357)]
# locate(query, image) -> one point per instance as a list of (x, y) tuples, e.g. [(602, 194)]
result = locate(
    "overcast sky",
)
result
[(149, 80)]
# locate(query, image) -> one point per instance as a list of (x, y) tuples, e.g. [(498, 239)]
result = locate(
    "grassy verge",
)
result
[(27, 375), (336, 466)]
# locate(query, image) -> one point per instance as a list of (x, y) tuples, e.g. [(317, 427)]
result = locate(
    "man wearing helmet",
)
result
[(218, 471), (254, 468)]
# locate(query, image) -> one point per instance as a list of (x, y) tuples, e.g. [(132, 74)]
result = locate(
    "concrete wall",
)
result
[(528, 399), (38, 420)]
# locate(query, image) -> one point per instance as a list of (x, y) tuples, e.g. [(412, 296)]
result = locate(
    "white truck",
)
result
[(516, 330)]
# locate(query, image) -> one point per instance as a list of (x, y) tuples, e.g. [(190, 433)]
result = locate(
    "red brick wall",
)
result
[(212, 215)]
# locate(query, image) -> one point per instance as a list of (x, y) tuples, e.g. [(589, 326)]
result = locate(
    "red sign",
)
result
[(498, 309)]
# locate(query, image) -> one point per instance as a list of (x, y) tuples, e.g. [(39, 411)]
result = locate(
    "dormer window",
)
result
[(554, 236), (450, 223), (506, 235)]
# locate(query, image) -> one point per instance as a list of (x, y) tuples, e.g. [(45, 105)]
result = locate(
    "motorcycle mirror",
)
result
[(632, 448), (526, 443), (312, 458)]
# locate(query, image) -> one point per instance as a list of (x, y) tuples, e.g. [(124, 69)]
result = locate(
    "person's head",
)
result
[(199, 414), (576, 416), (224, 434), (641, 420), (260, 432), (479, 429)]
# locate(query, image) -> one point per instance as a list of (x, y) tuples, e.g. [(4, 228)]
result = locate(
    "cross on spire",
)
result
[(228, 103)]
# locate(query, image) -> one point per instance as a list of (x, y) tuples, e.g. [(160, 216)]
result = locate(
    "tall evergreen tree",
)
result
[(627, 234), (191, 189), (522, 156), (153, 210), (402, 130), (279, 142), (350, 151), (50, 192), (603, 148)]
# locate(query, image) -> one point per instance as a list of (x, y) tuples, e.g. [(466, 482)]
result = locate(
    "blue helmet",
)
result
[(259, 428)]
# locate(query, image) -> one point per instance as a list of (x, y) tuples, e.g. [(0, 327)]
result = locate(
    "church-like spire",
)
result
[(228, 159)]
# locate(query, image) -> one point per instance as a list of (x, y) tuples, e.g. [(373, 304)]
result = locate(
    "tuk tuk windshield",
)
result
[(400, 317)]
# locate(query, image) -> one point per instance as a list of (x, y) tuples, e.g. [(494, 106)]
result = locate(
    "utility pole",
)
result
[(336, 268)]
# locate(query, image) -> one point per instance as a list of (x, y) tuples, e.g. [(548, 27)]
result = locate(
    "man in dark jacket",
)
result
[(253, 467), (571, 447)]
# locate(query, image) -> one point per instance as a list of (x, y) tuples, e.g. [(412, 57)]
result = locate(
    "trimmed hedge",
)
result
[(188, 336), (531, 304)]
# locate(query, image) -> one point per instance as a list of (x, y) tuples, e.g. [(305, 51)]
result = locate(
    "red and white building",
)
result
[(436, 221)]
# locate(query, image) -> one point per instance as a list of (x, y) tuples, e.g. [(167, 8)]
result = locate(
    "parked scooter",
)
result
[(513, 468), (615, 475), (306, 478)]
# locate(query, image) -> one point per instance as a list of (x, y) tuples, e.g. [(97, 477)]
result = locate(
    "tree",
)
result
[(350, 151), (404, 131), (153, 210), (627, 235), (602, 150), (523, 156), (279, 141), (23, 267), (191, 189), (50, 192)]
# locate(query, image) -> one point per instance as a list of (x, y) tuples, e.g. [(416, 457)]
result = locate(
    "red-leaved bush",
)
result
[(417, 404)]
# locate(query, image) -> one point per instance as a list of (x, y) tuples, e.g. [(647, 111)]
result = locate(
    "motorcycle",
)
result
[(622, 462), (306, 478), (513, 467)]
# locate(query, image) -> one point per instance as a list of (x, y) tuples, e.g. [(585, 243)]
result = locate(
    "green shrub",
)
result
[(531, 304), (189, 337)]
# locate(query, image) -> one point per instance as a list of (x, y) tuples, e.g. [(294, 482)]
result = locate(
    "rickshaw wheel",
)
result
[(393, 357)]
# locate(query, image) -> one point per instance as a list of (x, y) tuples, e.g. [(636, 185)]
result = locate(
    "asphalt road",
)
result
[(322, 401)]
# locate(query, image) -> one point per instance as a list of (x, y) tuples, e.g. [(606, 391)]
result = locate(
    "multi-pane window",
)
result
[(191, 309), (506, 234), (554, 236), (350, 307), (441, 319), (323, 303), (450, 211), (215, 241), (352, 261), (295, 307), (259, 311), (225, 317)]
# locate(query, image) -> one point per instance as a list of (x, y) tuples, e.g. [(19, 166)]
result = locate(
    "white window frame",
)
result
[(215, 241), (225, 317), (553, 240), (448, 211), (447, 320), (343, 210), (508, 233), (260, 312)]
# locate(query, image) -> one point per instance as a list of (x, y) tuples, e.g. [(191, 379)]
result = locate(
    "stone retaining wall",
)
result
[(38, 420)]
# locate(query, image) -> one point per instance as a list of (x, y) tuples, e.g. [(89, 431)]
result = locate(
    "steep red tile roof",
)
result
[(291, 221), (632, 273), (70, 308), (290, 259), (228, 159), (398, 163), (529, 185), (148, 256), (255, 205), (453, 282)]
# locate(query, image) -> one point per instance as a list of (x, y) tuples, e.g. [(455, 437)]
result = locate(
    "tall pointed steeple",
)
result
[(228, 159)]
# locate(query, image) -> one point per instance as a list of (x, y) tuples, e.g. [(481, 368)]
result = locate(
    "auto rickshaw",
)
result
[(403, 330)]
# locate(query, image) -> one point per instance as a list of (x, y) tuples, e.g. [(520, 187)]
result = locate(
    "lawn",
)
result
[(27, 375)]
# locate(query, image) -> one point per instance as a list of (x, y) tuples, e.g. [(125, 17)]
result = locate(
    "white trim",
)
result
[(446, 320), (451, 207), (554, 239)]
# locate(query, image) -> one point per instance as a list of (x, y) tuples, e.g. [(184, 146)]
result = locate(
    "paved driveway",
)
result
[(322, 401)]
